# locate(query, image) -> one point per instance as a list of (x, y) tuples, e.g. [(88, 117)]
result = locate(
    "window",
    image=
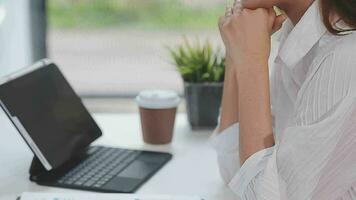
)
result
[(115, 48), (108, 49), (15, 36)]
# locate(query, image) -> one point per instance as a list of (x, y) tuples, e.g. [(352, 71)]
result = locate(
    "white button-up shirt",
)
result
[(313, 93)]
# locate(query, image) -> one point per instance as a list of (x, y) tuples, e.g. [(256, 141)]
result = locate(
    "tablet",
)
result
[(48, 113)]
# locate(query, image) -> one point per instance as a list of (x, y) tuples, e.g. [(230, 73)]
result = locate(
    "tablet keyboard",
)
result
[(102, 164)]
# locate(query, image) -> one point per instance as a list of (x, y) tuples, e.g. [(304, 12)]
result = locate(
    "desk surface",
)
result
[(192, 171)]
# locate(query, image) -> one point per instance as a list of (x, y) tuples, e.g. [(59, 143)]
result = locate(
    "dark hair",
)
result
[(345, 9)]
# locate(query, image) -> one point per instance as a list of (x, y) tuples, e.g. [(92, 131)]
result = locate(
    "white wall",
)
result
[(15, 53), (15, 37)]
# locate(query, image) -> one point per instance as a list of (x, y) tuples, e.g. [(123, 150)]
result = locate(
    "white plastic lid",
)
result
[(158, 99)]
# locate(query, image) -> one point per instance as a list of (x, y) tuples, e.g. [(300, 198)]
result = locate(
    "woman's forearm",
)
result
[(229, 105), (255, 110), (246, 35)]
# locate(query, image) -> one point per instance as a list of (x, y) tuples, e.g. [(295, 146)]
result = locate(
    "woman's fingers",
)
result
[(222, 20), (228, 11), (275, 21), (272, 17), (237, 7), (221, 23), (278, 22)]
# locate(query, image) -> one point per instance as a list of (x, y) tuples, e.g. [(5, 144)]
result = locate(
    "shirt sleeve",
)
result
[(227, 149), (310, 162), (240, 179)]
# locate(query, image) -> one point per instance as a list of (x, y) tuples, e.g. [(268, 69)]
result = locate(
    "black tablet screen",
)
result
[(51, 112)]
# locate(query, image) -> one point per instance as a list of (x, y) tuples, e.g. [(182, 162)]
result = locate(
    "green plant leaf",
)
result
[(198, 62)]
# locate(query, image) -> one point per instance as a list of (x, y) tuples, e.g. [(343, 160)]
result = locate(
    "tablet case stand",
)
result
[(39, 174), (37, 169)]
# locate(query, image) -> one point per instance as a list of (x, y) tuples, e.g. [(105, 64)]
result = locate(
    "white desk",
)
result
[(192, 171)]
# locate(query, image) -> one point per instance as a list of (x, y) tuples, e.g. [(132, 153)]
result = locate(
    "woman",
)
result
[(302, 144)]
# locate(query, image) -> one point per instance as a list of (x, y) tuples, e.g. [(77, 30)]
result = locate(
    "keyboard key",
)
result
[(79, 183), (89, 183), (100, 167)]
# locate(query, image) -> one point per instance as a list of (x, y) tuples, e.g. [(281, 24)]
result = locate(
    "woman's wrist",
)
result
[(229, 107), (237, 60), (252, 66)]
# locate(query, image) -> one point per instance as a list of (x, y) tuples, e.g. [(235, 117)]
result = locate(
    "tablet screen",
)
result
[(51, 113)]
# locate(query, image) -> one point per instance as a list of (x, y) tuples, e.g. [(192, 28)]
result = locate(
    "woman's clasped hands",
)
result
[(246, 33)]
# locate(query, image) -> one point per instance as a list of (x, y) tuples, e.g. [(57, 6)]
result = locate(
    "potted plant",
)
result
[(202, 70)]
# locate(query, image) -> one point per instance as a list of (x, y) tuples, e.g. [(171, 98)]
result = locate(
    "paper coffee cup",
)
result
[(157, 112)]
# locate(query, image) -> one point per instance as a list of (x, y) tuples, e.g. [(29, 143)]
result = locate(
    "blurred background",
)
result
[(108, 49)]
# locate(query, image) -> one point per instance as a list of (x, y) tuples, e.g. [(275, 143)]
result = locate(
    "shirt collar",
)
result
[(297, 41)]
